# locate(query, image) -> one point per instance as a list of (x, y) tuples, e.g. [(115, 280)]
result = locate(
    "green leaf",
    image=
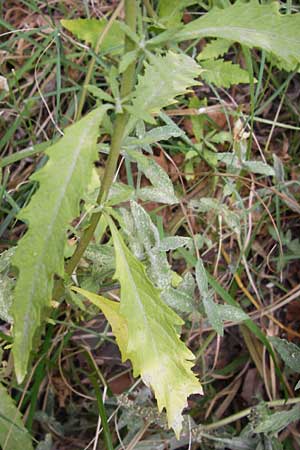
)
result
[(162, 190), (6, 285), (154, 346), (170, 12), (211, 308), (13, 434), (89, 31), (154, 135), (214, 49), (289, 352), (40, 253), (223, 73), (232, 313), (165, 78), (278, 421), (174, 242), (258, 167), (251, 24)]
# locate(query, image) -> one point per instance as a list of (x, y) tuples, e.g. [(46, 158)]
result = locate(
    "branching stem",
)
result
[(127, 84)]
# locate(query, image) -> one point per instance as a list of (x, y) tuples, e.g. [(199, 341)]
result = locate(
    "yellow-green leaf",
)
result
[(89, 30), (154, 345), (111, 310)]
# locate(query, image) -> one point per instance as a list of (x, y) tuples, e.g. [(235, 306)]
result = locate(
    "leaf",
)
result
[(170, 12), (119, 193), (214, 49), (40, 253), (13, 434), (232, 313), (162, 190), (258, 167), (210, 307), (154, 346), (278, 421), (154, 135), (223, 73), (289, 352), (165, 78), (297, 385), (174, 242), (6, 285), (251, 24), (111, 310), (89, 31)]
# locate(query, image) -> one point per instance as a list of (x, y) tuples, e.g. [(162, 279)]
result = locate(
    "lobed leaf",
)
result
[(13, 434), (154, 346), (165, 78), (214, 49), (40, 253), (251, 24), (223, 73)]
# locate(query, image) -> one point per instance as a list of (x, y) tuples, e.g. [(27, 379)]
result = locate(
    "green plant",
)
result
[(146, 327)]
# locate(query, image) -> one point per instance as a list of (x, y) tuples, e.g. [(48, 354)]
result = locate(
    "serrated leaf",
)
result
[(211, 308), (40, 253), (99, 93), (162, 190), (13, 434), (214, 49), (278, 421), (223, 73), (165, 78), (111, 310), (251, 24), (89, 31), (289, 352), (154, 347)]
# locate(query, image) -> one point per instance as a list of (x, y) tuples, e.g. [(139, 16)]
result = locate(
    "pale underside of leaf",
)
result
[(252, 24), (13, 434), (40, 253), (154, 346)]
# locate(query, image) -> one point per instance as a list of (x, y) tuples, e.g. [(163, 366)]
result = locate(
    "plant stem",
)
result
[(127, 84), (93, 376), (93, 59), (246, 412)]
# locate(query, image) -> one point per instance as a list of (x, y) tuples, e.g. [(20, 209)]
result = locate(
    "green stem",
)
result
[(246, 412), (93, 376), (127, 84), (93, 59)]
